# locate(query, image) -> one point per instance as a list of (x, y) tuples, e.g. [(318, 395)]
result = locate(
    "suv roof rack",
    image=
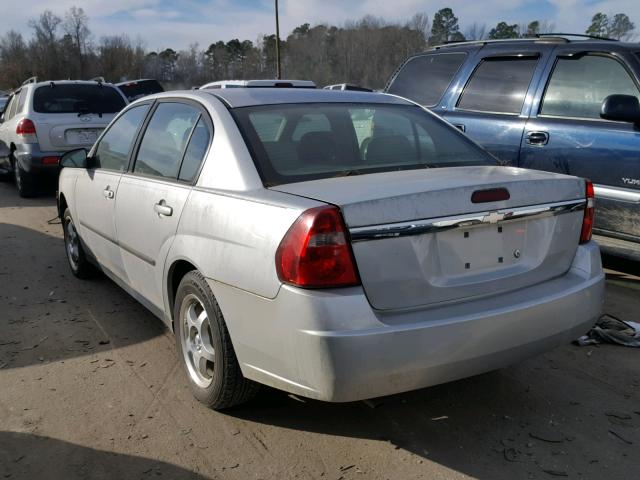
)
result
[(29, 80), (539, 37), (579, 35)]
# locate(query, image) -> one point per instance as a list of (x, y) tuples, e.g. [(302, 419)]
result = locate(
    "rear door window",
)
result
[(77, 98), (425, 78), (11, 104), (112, 153), (21, 101), (165, 139), (578, 85), (498, 85), (196, 150)]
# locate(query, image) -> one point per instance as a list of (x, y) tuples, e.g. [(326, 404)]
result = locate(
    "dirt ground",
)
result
[(91, 387)]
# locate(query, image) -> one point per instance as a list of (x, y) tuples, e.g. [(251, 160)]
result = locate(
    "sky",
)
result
[(179, 23)]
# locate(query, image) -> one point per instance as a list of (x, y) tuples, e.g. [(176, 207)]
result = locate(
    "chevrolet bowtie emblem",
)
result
[(493, 217)]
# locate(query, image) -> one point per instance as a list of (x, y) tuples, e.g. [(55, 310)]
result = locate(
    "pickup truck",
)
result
[(550, 103)]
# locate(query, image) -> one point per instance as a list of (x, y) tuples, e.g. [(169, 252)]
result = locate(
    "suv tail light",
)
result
[(25, 127), (589, 211), (315, 252)]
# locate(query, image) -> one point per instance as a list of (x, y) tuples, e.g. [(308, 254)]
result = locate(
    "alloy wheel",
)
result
[(72, 243), (197, 342)]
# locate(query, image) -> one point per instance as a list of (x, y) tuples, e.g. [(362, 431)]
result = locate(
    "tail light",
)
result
[(589, 211), (27, 130), (25, 127), (50, 160), (315, 252)]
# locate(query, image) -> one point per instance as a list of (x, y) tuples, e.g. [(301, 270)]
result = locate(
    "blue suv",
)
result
[(548, 103)]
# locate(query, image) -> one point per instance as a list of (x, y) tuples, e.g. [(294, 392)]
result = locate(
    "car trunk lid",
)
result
[(66, 131), (418, 239)]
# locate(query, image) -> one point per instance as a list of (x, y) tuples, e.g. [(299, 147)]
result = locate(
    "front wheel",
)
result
[(80, 265), (205, 348)]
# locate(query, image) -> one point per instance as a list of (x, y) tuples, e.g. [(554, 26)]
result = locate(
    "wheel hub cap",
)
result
[(196, 340)]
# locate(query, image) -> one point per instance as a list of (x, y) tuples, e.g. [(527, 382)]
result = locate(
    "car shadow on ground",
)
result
[(24, 455), (520, 422), (9, 195), (48, 315), (621, 265)]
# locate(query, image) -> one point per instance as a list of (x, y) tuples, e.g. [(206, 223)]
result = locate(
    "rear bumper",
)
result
[(30, 157), (332, 346)]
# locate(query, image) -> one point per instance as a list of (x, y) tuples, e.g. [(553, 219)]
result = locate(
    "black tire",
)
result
[(78, 262), (222, 384), (25, 182)]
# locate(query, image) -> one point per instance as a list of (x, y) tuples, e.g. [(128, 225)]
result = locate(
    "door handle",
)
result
[(108, 193), (162, 209), (537, 138)]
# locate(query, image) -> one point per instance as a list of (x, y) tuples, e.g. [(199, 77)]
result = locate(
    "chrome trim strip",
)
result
[(133, 252), (420, 227), (616, 193), (99, 233)]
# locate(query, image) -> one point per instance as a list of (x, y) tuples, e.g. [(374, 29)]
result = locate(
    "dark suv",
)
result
[(540, 103)]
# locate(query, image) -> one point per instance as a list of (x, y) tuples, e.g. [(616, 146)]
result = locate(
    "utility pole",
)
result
[(278, 71)]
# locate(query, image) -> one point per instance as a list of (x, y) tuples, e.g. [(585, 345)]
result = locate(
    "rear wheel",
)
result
[(80, 265), (204, 345), (24, 181)]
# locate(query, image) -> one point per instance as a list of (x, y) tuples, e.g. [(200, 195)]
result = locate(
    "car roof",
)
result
[(66, 82), (246, 97), (545, 40)]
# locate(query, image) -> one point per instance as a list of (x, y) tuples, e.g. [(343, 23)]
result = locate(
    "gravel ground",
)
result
[(91, 387)]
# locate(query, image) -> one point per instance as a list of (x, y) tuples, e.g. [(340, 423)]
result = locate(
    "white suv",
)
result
[(42, 120)]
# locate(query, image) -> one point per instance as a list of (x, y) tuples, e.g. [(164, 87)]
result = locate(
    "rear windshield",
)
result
[(293, 143), (425, 78), (135, 90), (74, 98)]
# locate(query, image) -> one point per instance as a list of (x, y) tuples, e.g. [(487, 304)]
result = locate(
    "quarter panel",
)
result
[(233, 238)]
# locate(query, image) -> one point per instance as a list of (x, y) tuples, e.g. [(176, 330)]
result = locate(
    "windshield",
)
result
[(139, 89), (293, 143), (77, 98)]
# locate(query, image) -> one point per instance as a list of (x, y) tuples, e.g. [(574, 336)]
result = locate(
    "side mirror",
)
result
[(74, 159), (624, 108)]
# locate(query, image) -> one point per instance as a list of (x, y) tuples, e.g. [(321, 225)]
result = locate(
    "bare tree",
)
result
[(76, 25), (476, 31), (13, 59), (44, 47)]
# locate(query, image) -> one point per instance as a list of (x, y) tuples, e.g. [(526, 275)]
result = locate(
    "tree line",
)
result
[(365, 51)]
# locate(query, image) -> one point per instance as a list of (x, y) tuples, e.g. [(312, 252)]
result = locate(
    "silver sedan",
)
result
[(336, 245)]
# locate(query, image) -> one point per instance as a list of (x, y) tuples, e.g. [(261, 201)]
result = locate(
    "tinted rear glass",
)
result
[(424, 79), (498, 85), (3, 102), (293, 143), (73, 98), (135, 90)]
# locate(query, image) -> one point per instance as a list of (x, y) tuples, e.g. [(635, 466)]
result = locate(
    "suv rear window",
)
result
[(323, 140), (74, 98), (424, 79), (498, 85)]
